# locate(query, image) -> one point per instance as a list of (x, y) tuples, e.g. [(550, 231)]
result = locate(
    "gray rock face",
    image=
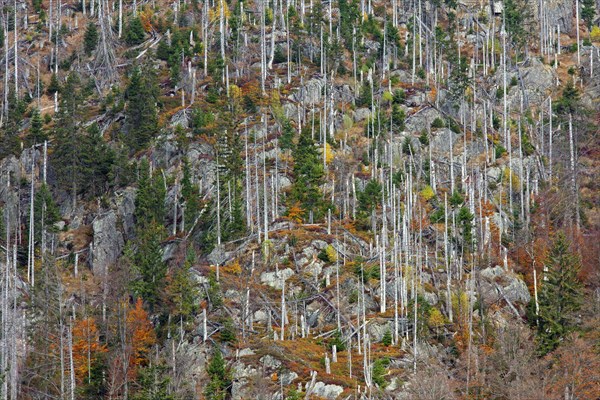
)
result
[(421, 120), (202, 164), (537, 80), (402, 74), (327, 391), (242, 373), (431, 298), (107, 243), (494, 173), (536, 75), (310, 92), (270, 362), (343, 94), (498, 284), (440, 141), (125, 205), (361, 114), (274, 279), (377, 330), (180, 118), (560, 12), (288, 377)]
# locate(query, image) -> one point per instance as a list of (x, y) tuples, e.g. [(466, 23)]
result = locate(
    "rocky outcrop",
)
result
[(125, 207), (326, 391), (107, 243), (310, 92), (274, 279), (499, 285), (421, 120)]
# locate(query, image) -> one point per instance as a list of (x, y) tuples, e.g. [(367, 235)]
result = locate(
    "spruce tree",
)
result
[(54, 85), (308, 174), (150, 271), (45, 211), (154, 383), (9, 140), (134, 32), (90, 39), (232, 175), (182, 291), (141, 119), (66, 158), (588, 12), (560, 297), (150, 199), (516, 17), (37, 133), (220, 380), (82, 160)]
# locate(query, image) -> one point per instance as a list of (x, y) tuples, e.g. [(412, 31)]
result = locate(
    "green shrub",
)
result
[(438, 123)]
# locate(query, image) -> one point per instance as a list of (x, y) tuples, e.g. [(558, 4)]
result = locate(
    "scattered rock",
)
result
[(273, 279), (327, 391), (361, 114)]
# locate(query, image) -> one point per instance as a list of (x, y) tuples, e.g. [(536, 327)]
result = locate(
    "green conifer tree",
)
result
[(54, 85), (183, 291), (588, 12), (560, 296), (9, 141), (37, 134), (90, 39), (150, 271), (46, 212), (141, 119), (153, 383), (308, 174), (150, 199), (220, 379), (134, 32)]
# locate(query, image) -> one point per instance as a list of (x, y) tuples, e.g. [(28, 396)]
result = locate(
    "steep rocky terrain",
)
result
[(342, 200)]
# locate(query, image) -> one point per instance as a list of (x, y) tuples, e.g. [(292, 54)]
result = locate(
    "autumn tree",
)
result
[(140, 336), (560, 296), (88, 356)]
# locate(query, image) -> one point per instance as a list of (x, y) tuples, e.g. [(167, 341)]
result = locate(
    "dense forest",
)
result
[(300, 199)]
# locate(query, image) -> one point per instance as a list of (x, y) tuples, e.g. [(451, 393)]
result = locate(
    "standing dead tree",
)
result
[(104, 59)]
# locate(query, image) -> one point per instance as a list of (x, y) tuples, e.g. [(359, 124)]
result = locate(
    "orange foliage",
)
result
[(86, 345), (141, 334), (575, 366), (433, 94), (233, 268), (295, 213), (146, 20)]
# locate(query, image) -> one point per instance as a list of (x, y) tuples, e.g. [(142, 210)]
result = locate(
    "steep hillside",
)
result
[(269, 200)]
